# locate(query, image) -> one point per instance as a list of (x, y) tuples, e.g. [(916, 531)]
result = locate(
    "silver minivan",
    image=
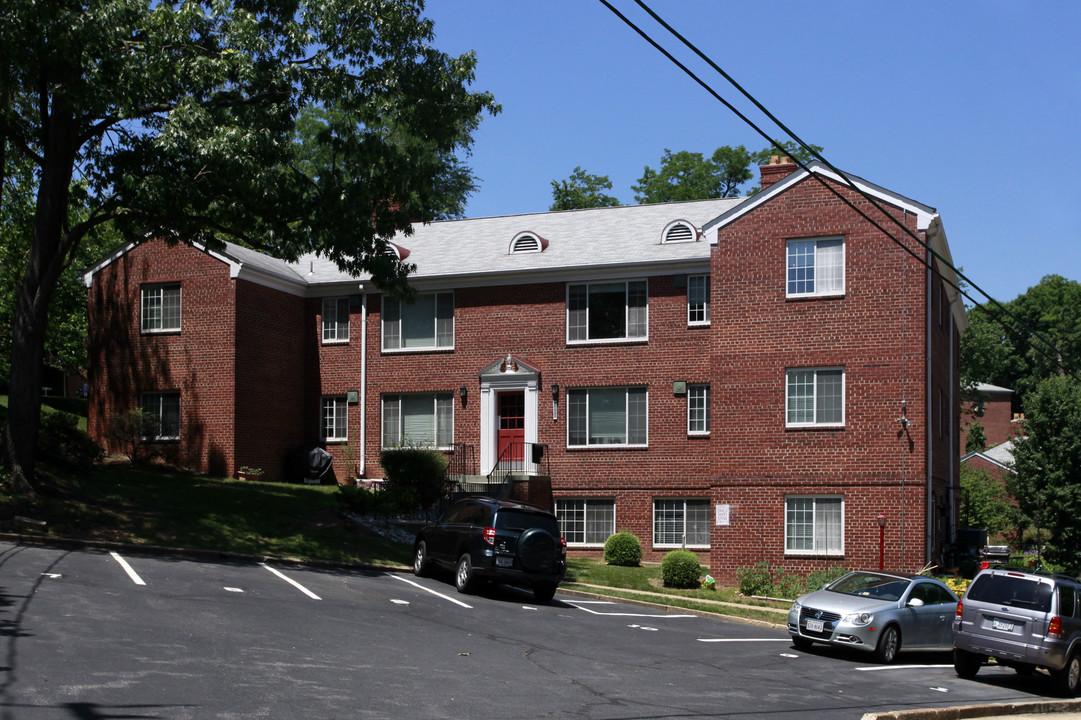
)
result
[(1022, 619)]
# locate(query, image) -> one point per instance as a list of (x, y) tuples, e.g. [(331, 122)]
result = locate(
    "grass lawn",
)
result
[(176, 509)]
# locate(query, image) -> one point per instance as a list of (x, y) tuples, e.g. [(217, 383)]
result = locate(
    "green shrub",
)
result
[(757, 580), (420, 470), (680, 569), (61, 442), (356, 499), (623, 549), (126, 431), (818, 578)]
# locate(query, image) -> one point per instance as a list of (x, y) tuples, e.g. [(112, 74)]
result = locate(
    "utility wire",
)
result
[(1055, 357)]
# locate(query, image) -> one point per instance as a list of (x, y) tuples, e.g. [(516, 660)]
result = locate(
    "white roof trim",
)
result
[(924, 214)]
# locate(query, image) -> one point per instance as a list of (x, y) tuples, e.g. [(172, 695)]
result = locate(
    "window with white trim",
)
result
[(425, 324), (418, 419), (698, 409), (681, 521), (336, 320), (814, 396), (161, 412), (160, 308), (605, 311), (816, 267), (814, 525), (698, 300), (586, 521), (606, 416), (334, 419)]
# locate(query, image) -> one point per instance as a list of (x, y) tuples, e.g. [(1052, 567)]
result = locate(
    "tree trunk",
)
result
[(45, 262)]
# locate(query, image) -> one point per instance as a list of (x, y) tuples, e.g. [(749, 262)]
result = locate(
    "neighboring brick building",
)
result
[(992, 407), (755, 378)]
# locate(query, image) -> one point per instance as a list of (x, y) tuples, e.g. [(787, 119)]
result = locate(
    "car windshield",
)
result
[(871, 585), (507, 519), (1018, 592)]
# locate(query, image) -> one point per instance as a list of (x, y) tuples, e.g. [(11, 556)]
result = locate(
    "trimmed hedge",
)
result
[(623, 549), (680, 569)]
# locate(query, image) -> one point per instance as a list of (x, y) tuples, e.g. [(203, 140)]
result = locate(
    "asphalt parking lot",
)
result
[(90, 633)]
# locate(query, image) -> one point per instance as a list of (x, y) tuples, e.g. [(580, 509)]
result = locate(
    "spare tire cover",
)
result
[(537, 551)]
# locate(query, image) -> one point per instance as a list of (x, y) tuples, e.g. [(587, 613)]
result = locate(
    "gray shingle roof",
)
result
[(578, 240)]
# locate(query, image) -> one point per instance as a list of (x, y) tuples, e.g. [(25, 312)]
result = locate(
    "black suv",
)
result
[(482, 538)]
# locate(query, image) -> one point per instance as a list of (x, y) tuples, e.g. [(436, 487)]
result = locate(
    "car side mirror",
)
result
[(915, 602)]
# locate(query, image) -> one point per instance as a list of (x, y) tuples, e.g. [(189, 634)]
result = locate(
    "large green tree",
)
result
[(582, 190), (1045, 317), (180, 121), (1047, 466), (688, 175)]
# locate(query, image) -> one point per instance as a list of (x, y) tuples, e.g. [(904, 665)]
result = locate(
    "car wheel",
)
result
[(966, 664), (889, 642), (463, 575), (1067, 679), (420, 560), (801, 642), (544, 593)]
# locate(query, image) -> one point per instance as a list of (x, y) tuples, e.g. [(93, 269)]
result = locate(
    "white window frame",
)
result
[(155, 307), (586, 522), (160, 406), (635, 398), (698, 397), (635, 318), (698, 300), (815, 398), (334, 418), (335, 320), (442, 420), (818, 523), (679, 506), (826, 274), (391, 322)]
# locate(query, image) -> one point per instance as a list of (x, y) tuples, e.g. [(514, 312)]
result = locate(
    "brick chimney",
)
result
[(778, 168)]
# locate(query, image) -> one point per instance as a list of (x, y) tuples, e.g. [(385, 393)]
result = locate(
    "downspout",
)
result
[(954, 427), (930, 431), (363, 382)]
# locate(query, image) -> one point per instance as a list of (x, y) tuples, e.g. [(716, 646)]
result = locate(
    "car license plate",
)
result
[(504, 562), (815, 626), (1006, 625)]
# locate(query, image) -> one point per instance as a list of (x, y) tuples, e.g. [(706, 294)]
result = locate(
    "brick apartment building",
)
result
[(753, 378)]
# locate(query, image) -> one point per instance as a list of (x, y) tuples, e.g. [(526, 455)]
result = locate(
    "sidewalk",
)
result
[(1035, 710)]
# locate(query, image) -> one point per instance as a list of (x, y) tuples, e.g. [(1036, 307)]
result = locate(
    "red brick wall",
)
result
[(270, 378), (529, 322), (876, 331), (199, 361), (996, 421)]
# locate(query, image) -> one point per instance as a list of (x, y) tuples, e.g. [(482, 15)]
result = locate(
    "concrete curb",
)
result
[(961, 712)]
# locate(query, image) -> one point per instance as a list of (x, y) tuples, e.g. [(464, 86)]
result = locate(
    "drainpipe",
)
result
[(363, 381), (929, 433)]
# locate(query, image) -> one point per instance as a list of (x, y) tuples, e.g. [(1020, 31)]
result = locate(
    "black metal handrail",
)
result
[(520, 458)]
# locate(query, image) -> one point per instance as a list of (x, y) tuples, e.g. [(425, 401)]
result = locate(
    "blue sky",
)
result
[(969, 107)]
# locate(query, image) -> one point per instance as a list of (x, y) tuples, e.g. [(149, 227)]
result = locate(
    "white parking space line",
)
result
[(128, 569), (433, 592), (726, 640), (292, 582), (622, 614), (880, 668)]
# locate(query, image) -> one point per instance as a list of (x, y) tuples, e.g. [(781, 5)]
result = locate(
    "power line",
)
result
[(1055, 356)]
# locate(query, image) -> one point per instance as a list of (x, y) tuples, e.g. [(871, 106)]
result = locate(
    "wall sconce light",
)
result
[(555, 401), (463, 392), (555, 391)]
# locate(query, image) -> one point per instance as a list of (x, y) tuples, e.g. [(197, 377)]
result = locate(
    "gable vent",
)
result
[(527, 242), (679, 231), (396, 251)]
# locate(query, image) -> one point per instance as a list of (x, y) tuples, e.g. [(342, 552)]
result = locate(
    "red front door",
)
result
[(511, 426)]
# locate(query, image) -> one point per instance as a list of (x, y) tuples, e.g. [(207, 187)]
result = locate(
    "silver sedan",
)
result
[(882, 613)]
